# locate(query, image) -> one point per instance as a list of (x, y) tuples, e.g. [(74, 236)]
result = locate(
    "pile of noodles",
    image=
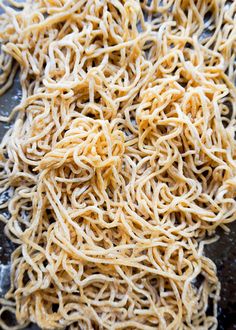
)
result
[(120, 164)]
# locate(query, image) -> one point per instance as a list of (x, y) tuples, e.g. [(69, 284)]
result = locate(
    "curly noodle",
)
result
[(121, 160)]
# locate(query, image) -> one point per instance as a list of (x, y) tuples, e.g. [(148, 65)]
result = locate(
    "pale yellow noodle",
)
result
[(120, 164)]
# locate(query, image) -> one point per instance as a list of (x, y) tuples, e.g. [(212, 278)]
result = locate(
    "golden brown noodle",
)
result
[(121, 161)]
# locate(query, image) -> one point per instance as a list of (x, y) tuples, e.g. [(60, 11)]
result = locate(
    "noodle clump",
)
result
[(120, 164)]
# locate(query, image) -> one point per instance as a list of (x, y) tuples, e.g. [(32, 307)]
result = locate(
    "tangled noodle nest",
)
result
[(120, 164)]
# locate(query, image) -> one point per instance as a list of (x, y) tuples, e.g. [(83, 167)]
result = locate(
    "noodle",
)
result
[(120, 164)]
